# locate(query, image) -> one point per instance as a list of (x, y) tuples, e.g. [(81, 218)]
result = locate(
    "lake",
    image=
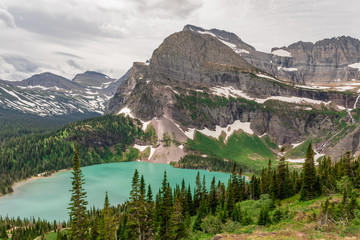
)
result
[(48, 198)]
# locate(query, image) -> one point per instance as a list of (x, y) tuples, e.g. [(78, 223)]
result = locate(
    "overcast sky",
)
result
[(71, 36)]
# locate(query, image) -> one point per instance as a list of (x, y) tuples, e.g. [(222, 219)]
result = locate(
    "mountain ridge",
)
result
[(325, 61)]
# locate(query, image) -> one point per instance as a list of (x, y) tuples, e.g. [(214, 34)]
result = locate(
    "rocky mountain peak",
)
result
[(221, 35), (92, 79), (189, 56), (47, 80)]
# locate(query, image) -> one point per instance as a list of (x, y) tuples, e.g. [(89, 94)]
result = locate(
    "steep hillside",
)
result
[(196, 82)]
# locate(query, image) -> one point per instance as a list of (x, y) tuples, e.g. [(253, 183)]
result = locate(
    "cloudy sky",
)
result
[(71, 36)]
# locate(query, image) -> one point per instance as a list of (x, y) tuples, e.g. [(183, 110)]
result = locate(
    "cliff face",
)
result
[(326, 61), (195, 81)]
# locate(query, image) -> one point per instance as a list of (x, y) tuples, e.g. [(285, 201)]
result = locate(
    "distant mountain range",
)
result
[(47, 94)]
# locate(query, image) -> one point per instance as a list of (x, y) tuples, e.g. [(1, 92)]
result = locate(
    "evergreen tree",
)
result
[(309, 189), (137, 212), (177, 224), (264, 218), (198, 191), (212, 197), (78, 216), (107, 228), (94, 233), (165, 209), (3, 234)]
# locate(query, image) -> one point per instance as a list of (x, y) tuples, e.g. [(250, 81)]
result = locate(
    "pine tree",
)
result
[(137, 213), (197, 192), (94, 233), (165, 209), (177, 224), (3, 234), (212, 197), (107, 228), (308, 189), (78, 216), (264, 218)]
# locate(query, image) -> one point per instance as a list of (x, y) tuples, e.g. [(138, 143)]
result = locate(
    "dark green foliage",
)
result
[(210, 163), (100, 140), (309, 189), (264, 218), (107, 222), (78, 215), (3, 233), (17, 124)]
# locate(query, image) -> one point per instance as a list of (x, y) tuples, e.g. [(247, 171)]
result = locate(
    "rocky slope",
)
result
[(197, 82), (326, 61)]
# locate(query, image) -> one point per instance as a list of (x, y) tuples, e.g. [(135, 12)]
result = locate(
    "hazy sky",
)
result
[(72, 36)]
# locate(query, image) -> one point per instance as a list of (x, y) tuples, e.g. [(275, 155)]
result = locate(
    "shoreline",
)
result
[(18, 184)]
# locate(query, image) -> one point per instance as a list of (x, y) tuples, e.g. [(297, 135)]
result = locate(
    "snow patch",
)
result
[(145, 124), (207, 32), (311, 87), (239, 51), (141, 148), (290, 69), (300, 160), (231, 92), (268, 77), (344, 88), (292, 100), (297, 144), (355, 65), (281, 53), (152, 151), (228, 130), (172, 90), (126, 111)]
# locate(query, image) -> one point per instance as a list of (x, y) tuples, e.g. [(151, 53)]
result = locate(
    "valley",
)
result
[(280, 133)]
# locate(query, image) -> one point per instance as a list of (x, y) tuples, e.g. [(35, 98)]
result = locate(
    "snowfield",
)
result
[(229, 130), (281, 53), (355, 65), (231, 92)]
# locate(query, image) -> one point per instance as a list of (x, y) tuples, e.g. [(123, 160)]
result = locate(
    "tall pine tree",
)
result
[(309, 188), (78, 216)]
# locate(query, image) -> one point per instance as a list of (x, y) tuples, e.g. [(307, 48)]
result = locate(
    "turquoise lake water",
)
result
[(48, 198)]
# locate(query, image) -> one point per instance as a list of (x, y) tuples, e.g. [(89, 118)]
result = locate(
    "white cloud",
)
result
[(6, 19), (109, 35)]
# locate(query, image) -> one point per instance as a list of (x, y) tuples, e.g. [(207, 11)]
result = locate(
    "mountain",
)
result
[(47, 94), (327, 61), (202, 96), (47, 81)]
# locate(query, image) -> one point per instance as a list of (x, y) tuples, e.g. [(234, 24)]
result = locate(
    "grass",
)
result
[(299, 221), (240, 147), (270, 143), (299, 151)]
